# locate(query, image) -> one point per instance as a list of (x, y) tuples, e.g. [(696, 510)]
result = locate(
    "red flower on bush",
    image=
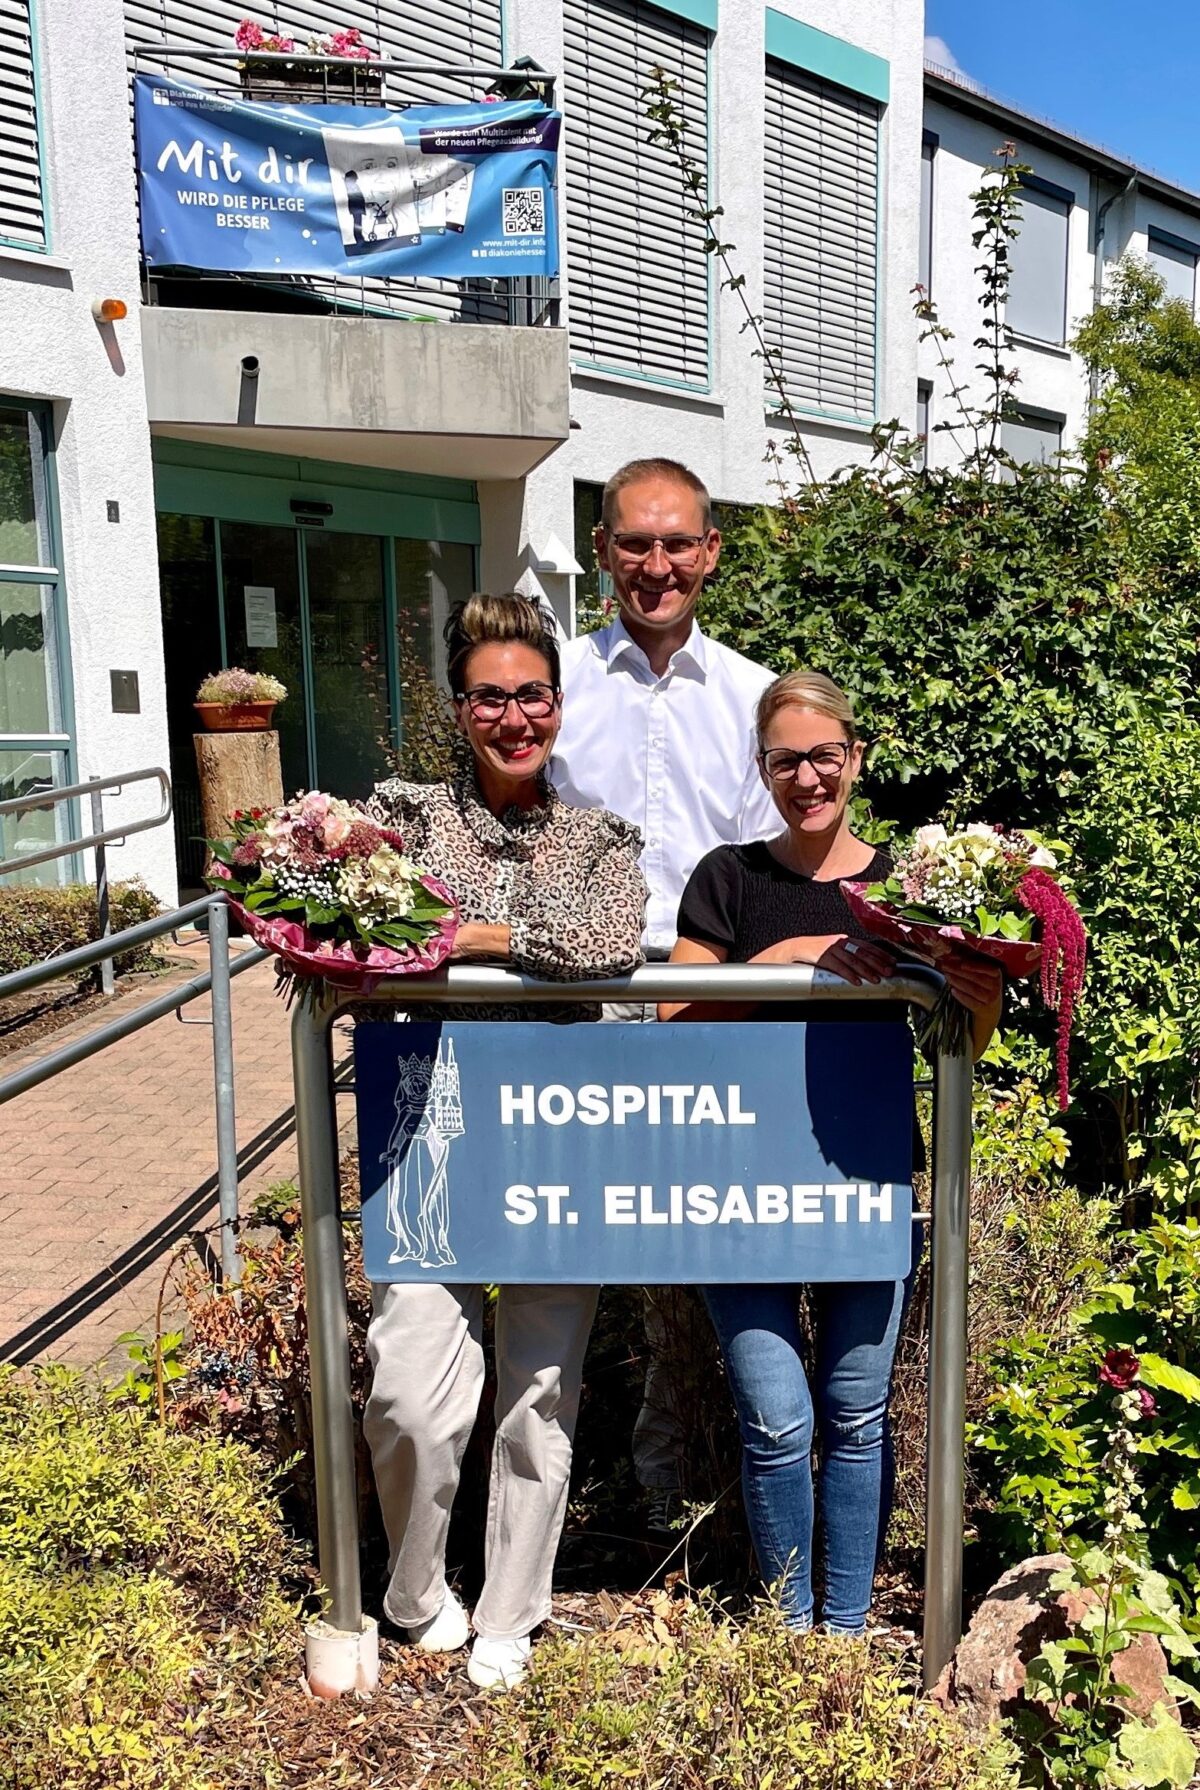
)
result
[(1147, 1399), (1119, 1369)]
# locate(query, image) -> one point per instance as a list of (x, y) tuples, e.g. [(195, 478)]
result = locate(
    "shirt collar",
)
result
[(691, 658)]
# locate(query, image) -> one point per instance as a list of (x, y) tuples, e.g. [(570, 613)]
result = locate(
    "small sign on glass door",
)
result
[(260, 615)]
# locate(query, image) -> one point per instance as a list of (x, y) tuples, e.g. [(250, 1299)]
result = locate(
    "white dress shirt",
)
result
[(673, 754)]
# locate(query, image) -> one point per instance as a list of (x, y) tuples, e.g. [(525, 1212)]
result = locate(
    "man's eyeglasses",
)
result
[(681, 550), (488, 702), (782, 765)]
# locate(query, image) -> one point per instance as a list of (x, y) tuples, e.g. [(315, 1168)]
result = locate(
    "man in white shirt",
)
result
[(658, 726), (658, 720)]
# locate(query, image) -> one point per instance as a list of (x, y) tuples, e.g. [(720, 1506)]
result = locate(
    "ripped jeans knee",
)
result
[(853, 1432), (776, 1438)]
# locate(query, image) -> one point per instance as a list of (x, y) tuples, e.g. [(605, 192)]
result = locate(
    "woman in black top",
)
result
[(780, 901)]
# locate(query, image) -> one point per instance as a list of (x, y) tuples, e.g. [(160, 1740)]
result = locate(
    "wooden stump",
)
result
[(237, 770)]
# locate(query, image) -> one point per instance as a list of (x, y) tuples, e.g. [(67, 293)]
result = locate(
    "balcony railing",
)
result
[(528, 302)]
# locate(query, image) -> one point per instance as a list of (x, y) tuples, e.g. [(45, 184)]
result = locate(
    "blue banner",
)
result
[(533, 1153), (449, 192)]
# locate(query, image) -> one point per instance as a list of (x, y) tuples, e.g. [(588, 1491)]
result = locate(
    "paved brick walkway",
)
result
[(106, 1166)]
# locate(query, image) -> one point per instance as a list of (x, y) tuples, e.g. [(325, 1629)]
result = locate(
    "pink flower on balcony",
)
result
[(349, 43), (249, 35)]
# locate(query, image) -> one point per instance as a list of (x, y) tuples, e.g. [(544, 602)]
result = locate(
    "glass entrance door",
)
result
[(330, 611), (262, 588), (344, 588)]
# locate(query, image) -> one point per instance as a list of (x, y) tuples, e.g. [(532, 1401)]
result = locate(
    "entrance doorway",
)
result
[(320, 604)]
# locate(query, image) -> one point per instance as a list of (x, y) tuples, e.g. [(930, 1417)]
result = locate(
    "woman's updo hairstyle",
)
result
[(482, 620), (805, 690)]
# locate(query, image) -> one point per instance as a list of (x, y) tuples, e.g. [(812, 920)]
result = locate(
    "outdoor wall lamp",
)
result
[(109, 310)]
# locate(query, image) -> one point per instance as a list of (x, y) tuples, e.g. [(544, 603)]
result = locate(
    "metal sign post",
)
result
[(324, 1266)]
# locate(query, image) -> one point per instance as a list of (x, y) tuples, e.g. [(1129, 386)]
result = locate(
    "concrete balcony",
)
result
[(466, 401)]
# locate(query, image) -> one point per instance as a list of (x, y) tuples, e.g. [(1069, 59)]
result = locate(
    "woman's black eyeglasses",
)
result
[(488, 702), (782, 765)]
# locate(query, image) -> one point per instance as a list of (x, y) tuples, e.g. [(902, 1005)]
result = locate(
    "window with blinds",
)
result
[(437, 31), (822, 159), (22, 201), (639, 276)]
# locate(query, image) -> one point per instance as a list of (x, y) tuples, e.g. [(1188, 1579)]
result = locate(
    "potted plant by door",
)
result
[(265, 77), (232, 700)]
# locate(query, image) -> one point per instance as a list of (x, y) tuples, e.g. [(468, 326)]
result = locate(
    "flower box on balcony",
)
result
[(306, 81)]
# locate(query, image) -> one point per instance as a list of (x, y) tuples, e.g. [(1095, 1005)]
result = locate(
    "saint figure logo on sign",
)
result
[(429, 1117)]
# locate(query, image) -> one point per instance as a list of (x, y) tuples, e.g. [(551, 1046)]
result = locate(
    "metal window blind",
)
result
[(442, 31), (821, 221), (22, 202), (639, 274), (1037, 290)]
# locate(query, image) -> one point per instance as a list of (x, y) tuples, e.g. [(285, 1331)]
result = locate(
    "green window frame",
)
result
[(24, 197), (31, 568)]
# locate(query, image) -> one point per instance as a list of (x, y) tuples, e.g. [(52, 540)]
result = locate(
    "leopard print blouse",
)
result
[(564, 880)]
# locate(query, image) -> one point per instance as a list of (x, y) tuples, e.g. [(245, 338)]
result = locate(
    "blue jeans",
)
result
[(856, 1328)]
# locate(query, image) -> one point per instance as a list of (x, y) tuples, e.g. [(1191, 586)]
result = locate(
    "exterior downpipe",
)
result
[(1125, 192)]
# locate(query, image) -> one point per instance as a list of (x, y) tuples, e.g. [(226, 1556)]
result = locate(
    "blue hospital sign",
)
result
[(537, 1153)]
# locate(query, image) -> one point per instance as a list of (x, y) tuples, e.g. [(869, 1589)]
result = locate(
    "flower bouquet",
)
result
[(995, 891), (331, 891)]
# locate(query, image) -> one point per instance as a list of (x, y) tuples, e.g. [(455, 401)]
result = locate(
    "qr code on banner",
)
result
[(524, 211)]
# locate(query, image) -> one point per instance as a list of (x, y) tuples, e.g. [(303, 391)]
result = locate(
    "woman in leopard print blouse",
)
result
[(555, 891)]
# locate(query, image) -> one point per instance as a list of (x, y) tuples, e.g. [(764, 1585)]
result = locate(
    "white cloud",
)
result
[(938, 51)]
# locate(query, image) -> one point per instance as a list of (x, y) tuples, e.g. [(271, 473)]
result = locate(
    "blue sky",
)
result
[(1122, 75)]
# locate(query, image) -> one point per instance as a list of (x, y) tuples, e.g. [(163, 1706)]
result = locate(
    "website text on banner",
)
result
[(691, 1154), (450, 192)]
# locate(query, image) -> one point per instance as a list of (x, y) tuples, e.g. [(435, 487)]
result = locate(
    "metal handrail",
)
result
[(538, 77), (324, 1264), (95, 786), (84, 956), (216, 981)]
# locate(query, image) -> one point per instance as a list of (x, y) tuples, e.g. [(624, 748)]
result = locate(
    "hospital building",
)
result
[(298, 474)]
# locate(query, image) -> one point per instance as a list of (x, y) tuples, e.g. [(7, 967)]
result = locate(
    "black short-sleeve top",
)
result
[(742, 899)]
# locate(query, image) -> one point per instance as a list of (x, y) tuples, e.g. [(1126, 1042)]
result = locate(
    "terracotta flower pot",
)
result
[(235, 717)]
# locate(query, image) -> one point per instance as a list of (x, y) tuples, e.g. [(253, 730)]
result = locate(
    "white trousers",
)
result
[(425, 1345)]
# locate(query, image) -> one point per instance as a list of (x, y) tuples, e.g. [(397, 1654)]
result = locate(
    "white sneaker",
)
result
[(498, 1665), (445, 1632)]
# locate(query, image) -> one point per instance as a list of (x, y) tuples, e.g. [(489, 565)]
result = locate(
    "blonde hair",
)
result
[(805, 690), (482, 619), (639, 472)]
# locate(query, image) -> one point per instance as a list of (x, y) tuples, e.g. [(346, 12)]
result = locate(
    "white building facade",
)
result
[(369, 454), (1083, 208)]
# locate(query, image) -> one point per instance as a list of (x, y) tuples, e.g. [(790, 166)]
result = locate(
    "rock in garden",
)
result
[(985, 1680)]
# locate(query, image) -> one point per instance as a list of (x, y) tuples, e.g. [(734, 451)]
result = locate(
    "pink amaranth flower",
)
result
[(1064, 959), (1119, 1369)]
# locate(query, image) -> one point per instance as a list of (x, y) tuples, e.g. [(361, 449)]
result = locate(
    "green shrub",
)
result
[(139, 1588), (87, 1484), (691, 1701), (1039, 1447), (88, 1663), (39, 923)]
